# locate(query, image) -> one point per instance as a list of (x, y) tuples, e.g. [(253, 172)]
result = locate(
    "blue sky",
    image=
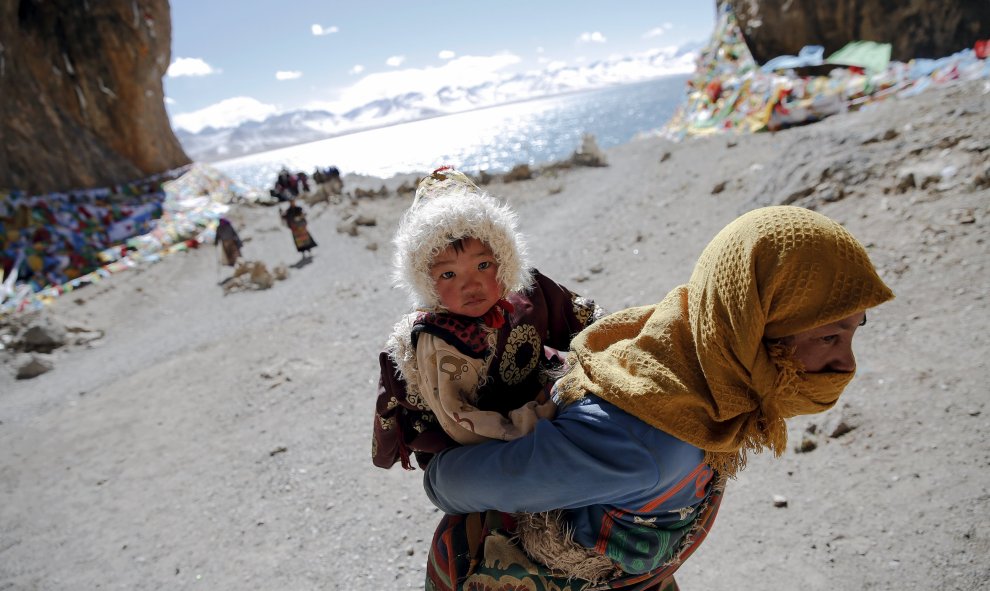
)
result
[(247, 60)]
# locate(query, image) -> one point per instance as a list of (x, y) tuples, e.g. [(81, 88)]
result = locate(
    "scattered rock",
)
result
[(905, 181), (923, 174), (963, 215), (348, 226), (328, 193), (839, 429), (589, 154), (483, 178), (34, 366), (807, 445), (43, 337), (797, 195), (839, 423), (83, 336), (982, 179), (360, 193), (519, 172), (881, 137), (779, 501), (830, 192), (406, 188)]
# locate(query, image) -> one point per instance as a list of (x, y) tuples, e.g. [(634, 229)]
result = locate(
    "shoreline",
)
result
[(440, 115)]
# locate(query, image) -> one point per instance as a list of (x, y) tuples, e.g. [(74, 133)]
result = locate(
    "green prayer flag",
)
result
[(869, 55)]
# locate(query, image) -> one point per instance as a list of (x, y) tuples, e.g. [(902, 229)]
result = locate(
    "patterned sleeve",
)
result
[(403, 424), (448, 380)]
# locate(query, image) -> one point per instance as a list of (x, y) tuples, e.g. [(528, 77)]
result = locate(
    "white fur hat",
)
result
[(448, 206)]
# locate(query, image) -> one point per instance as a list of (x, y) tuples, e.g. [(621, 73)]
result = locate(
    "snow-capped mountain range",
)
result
[(296, 127)]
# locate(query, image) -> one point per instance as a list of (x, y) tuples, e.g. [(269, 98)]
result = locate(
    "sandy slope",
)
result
[(222, 442)]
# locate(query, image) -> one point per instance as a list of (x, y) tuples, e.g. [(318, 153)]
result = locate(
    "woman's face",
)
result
[(827, 348)]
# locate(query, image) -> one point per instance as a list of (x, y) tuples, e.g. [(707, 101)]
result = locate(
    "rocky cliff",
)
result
[(914, 28), (81, 99)]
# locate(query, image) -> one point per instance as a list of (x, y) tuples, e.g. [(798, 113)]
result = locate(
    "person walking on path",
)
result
[(295, 219), (230, 243)]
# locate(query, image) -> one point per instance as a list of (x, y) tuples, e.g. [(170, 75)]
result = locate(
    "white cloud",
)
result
[(227, 113), (357, 69), (595, 37), (446, 54), (658, 31), (169, 100), (190, 66), (320, 30), (463, 71), (287, 74), (556, 65), (395, 61)]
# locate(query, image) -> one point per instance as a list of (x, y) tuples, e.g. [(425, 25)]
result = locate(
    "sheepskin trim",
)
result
[(402, 352), (458, 212), (547, 538)]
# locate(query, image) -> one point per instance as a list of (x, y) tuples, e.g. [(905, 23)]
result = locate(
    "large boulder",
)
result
[(81, 99), (914, 28)]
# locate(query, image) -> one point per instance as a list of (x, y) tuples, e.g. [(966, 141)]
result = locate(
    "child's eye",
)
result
[(484, 265), (830, 338), (447, 275)]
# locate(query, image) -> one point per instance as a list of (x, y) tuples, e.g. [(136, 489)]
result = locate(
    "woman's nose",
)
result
[(844, 361)]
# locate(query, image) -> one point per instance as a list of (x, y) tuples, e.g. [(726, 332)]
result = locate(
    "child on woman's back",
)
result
[(471, 362)]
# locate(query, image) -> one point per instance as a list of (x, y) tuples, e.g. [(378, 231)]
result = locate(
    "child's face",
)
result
[(467, 279)]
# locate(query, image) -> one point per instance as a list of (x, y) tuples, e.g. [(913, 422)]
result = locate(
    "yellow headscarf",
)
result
[(696, 365)]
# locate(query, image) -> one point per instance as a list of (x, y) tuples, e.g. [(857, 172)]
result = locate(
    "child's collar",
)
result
[(495, 316)]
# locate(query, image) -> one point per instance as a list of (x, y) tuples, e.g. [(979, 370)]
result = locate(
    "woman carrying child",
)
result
[(661, 405)]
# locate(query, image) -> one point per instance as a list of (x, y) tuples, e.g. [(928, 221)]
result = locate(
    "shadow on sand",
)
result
[(305, 260)]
